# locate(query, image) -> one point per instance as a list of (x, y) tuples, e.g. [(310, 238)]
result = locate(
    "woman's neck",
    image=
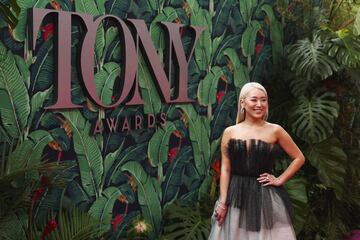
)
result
[(254, 122)]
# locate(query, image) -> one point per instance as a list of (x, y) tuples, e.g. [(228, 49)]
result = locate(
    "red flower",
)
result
[(217, 168), (59, 156), (50, 226), (116, 221), (48, 30), (258, 48), (172, 153), (291, 7), (44, 181), (37, 195), (219, 96)]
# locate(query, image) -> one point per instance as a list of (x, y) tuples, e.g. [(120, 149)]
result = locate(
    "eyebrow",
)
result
[(257, 97)]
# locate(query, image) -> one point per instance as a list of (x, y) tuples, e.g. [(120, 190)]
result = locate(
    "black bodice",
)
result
[(252, 160)]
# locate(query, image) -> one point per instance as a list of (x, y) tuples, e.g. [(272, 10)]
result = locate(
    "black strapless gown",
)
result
[(255, 212)]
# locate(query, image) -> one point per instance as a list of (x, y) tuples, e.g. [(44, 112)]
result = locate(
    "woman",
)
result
[(252, 203)]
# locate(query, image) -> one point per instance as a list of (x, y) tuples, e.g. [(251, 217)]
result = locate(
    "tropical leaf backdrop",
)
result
[(151, 183)]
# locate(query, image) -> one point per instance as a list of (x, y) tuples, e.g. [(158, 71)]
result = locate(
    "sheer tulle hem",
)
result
[(282, 228), (258, 204)]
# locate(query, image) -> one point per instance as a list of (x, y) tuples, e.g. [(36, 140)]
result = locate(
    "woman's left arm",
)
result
[(289, 146)]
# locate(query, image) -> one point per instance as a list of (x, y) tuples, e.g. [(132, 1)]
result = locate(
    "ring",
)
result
[(267, 178)]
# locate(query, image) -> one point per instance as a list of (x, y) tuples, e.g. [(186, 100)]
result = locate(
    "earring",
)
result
[(242, 110)]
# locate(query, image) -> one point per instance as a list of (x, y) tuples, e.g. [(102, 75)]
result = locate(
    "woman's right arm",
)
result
[(224, 177)]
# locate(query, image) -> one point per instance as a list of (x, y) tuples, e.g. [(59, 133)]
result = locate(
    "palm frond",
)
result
[(186, 223), (76, 225)]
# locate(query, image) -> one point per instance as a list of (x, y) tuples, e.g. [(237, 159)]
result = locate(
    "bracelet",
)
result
[(221, 205)]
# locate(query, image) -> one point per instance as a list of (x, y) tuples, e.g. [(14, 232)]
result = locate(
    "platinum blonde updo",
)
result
[(243, 94)]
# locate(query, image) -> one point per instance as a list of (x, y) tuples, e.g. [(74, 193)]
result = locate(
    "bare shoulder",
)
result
[(275, 129), (229, 131)]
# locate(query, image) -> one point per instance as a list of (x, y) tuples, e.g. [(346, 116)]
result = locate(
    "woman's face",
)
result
[(255, 104)]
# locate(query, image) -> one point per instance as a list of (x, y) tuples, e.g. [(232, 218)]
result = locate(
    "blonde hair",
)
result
[(243, 93)]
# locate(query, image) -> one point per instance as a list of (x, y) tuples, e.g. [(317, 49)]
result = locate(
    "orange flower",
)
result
[(177, 133), (122, 198), (55, 4), (54, 145), (132, 183), (186, 7)]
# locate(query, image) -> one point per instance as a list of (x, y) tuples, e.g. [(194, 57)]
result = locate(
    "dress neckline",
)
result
[(256, 140)]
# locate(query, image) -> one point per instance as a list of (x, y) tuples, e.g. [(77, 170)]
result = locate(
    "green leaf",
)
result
[(203, 48), (14, 226), (111, 35), (105, 80), (174, 175), (215, 44), (88, 153), (308, 58), (37, 102), (110, 159), (241, 73), (84, 6), (158, 147), (150, 95), (248, 40), (261, 64), (101, 6), (345, 47), (148, 200), (92, 8), (30, 152), (194, 7), (246, 9), (74, 224), (199, 131), (221, 18), (52, 199), (131, 153), (230, 41), (14, 105), (168, 14), (275, 34), (330, 160), (42, 71), (357, 24), (19, 32), (208, 87), (77, 194), (312, 119), (23, 69), (118, 8), (102, 208), (296, 188), (186, 223), (219, 120)]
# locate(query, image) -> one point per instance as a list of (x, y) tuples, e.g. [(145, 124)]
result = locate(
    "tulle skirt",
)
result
[(255, 212)]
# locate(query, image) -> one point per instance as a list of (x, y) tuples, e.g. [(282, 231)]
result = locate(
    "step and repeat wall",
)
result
[(127, 101)]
